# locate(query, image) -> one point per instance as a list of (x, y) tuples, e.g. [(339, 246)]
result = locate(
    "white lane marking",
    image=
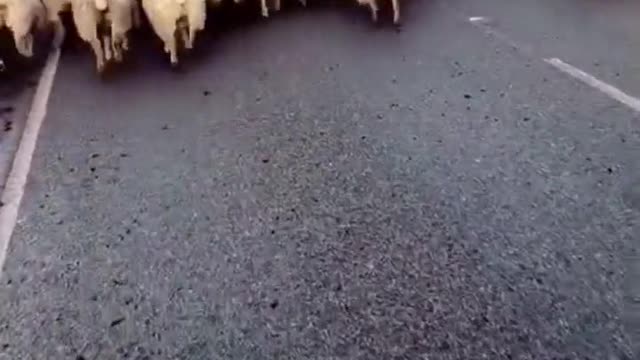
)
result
[(592, 81), (609, 90), (478, 19), (17, 179)]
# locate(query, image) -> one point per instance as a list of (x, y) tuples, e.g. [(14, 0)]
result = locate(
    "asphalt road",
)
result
[(313, 187)]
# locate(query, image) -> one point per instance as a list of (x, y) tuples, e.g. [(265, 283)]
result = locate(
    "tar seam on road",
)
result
[(17, 179), (483, 23)]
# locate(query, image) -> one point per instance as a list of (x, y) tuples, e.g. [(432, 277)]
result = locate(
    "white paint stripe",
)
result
[(477, 19), (17, 179), (590, 80)]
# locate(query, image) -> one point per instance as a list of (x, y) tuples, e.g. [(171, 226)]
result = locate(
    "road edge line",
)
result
[(18, 175)]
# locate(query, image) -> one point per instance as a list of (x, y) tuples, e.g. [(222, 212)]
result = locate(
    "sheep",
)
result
[(87, 16), (120, 17), (103, 24), (21, 17), (373, 5), (172, 18)]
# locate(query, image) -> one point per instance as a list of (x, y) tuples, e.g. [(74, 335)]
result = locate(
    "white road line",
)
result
[(478, 19), (590, 80), (17, 179), (609, 90)]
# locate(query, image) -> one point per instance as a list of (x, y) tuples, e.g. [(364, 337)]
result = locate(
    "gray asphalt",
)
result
[(314, 187)]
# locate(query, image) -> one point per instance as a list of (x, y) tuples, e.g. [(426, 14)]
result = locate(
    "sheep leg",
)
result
[(97, 50), (184, 37), (265, 8), (24, 44), (108, 50), (396, 11), (118, 49), (374, 10), (135, 15), (373, 5), (59, 33), (191, 38), (278, 5), (170, 44), (125, 43), (173, 50), (28, 43)]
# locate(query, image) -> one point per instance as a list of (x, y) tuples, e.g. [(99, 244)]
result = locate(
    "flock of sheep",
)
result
[(105, 24)]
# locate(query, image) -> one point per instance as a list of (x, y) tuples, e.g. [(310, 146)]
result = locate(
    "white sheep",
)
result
[(103, 24), (171, 19), (373, 5), (21, 17), (87, 16), (120, 16)]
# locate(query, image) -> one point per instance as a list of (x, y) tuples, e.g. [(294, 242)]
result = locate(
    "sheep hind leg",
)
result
[(28, 43), (173, 51), (24, 45), (108, 47), (186, 39), (396, 11), (118, 48), (97, 50), (192, 37), (125, 43), (135, 16), (170, 45), (265, 8), (59, 33), (373, 4)]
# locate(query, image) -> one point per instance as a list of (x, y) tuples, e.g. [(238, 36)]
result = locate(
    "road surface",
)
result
[(313, 187)]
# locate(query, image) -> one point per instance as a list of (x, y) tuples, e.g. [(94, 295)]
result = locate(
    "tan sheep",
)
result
[(173, 19), (21, 17)]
